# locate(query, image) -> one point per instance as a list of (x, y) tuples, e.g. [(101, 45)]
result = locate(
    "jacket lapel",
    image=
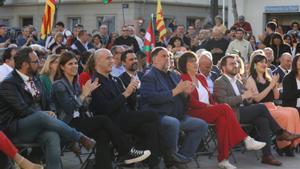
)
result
[(229, 86)]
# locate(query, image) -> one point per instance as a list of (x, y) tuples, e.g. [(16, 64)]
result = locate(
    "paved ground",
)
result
[(244, 161)]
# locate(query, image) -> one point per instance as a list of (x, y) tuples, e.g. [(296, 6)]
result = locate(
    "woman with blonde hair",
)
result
[(48, 72), (58, 41), (265, 89)]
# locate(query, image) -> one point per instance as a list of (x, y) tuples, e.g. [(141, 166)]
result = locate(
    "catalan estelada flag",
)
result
[(107, 1), (48, 18), (160, 24)]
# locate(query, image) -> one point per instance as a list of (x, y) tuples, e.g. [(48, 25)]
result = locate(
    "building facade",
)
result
[(93, 13), (259, 12)]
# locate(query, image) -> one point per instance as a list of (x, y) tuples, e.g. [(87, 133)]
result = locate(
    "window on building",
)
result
[(72, 21), (191, 21), (107, 20), (25, 21), (5, 21)]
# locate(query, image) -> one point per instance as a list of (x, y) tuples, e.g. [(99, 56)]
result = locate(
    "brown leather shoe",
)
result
[(87, 143), (287, 136), (269, 159)]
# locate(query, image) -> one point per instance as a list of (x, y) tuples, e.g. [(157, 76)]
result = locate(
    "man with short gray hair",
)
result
[(205, 68), (118, 67), (285, 66)]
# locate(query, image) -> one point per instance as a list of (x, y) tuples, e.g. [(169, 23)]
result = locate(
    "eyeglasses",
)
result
[(125, 30), (35, 62)]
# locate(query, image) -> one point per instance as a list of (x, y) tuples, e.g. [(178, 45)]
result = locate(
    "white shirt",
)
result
[(202, 93), (85, 45), (27, 83), (4, 71), (234, 85), (210, 83), (298, 87), (140, 42)]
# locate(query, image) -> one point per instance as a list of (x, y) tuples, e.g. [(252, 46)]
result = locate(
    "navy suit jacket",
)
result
[(279, 71), (156, 95)]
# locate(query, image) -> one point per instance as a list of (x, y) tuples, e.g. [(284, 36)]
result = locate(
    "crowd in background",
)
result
[(95, 88)]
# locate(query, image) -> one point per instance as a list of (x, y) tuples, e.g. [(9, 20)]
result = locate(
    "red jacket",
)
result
[(194, 102)]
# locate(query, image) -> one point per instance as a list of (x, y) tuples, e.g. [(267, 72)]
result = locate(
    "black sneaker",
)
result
[(135, 156)]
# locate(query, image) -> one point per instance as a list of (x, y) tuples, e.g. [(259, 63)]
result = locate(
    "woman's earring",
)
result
[(254, 66)]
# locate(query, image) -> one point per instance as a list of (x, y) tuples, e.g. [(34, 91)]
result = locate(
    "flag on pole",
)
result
[(107, 1), (149, 42), (48, 18), (160, 24)]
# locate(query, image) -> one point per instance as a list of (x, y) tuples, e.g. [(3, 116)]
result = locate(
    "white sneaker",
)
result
[(135, 156), (252, 144), (225, 164)]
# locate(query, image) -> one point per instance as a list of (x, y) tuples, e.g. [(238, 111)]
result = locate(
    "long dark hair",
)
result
[(64, 58), (294, 64), (253, 73)]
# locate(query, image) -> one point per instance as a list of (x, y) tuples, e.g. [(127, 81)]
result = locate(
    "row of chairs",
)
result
[(208, 147)]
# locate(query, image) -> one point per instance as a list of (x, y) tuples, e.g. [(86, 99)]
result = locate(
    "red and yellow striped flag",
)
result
[(48, 18), (160, 24)]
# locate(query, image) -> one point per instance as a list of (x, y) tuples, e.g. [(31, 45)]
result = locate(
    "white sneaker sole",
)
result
[(257, 147), (147, 153), (226, 167)]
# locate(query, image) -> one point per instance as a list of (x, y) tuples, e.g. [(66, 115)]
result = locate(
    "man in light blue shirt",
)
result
[(117, 68)]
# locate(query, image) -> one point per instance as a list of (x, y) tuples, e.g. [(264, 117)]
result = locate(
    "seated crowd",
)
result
[(97, 91)]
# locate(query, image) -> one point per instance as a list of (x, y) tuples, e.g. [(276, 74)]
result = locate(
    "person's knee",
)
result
[(170, 123), (202, 125)]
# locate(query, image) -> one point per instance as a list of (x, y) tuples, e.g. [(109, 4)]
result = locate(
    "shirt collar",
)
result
[(284, 70), (232, 80), (8, 67), (23, 76)]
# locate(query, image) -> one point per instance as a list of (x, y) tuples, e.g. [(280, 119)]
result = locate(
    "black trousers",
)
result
[(260, 116), (145, 126), (103, 130)]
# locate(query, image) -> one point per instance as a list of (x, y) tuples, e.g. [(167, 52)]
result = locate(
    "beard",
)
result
[(32, 72), (133, 67), (233, 71)]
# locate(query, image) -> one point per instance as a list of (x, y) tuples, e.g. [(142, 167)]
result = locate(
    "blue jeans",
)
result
[(195, 129), (46, 130)]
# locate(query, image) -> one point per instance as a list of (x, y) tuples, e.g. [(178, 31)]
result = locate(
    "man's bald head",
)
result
[(103, 61)]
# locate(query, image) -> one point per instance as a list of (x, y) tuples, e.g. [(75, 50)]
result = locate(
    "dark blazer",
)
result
[(290, 90), (66, 99), (224, 93), (17, 102), (281, 73), (156, 95), (133, 99), (108, 99)]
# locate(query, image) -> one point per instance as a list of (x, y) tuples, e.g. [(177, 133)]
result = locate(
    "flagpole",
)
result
[(123, 14)]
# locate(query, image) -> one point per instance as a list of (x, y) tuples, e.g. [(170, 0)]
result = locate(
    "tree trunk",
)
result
[(234, 11)]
